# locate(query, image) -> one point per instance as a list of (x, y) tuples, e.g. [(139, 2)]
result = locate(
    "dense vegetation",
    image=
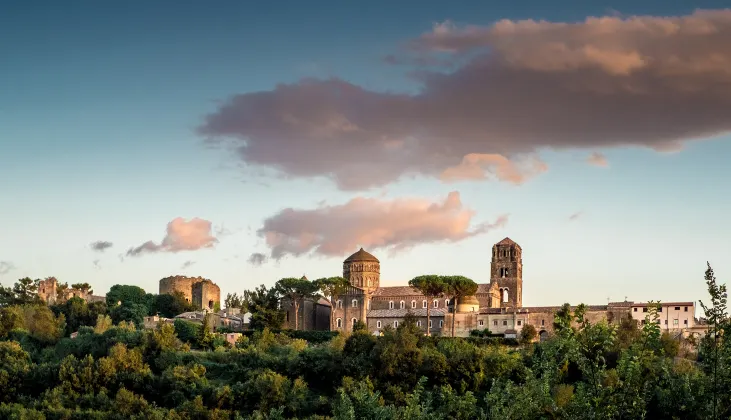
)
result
[(185, 371)]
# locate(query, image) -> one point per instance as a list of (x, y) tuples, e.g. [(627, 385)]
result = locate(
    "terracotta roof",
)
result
[(361, 255), (400, 313), (537, 309)]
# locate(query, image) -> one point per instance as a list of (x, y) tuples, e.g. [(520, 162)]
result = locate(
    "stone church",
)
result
[(497, 305)]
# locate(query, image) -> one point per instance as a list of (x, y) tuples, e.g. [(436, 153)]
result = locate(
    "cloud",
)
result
[(519, 87), (257, 258), (100, 246), (371, 223), (575, 216), (96, 265), (187, 264), (182, 235), (6, 267), (597, 159), (478, 165)]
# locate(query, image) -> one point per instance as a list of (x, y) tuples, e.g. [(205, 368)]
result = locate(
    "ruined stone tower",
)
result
[(507, 272)]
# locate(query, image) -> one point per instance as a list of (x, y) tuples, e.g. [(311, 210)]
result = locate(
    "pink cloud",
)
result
[(597, 159), (182, 235), (477, 166), (517, 87), (371, 223)]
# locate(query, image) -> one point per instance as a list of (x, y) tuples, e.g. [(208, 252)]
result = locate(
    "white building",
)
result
[(672, 315)]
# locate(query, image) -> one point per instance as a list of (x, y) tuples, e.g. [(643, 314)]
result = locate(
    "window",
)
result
[(418, 323), (481, 322), (369, 305), (685, 321), (520, 322), (436, 303), (424, 304), (390, 304), (658, 321), (339, 323), (677, 308), (441, 323), (395, 324), (686, 309), (643, 322), (446, 303), (354, 320), (634, 309), (494, 323), (505, 295), (286, 316), (339, 304), (644, 309), (354, 303), (675, 322), (402, 305), (413, 304), (543, 322), (659, 309), (505, 323), (430, 323), (378, 324), (666, 322)]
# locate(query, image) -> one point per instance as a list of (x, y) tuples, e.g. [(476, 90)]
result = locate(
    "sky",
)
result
[(249, 141)]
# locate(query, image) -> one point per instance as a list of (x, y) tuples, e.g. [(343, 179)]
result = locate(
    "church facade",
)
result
[(497, 305)]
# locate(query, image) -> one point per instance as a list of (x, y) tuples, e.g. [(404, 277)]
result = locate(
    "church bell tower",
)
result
[(507, 272)]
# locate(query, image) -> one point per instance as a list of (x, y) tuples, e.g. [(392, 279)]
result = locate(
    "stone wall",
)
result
[(197, 290), (47, 290), (313, 316)]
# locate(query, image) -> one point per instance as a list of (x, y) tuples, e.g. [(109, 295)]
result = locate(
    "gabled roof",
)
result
[(361, 255)]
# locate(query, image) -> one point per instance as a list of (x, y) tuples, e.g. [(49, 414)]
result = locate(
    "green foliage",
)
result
[(263, 304), (431, 286), (527, 334), (170, 305), (120, 293), (129, 312), (585, 370), (24, 292), (78, 312)]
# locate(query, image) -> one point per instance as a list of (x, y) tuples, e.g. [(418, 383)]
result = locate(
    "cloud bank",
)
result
[(597, 159), (511, 89), (182, 235), (100, 246), (371, 223)]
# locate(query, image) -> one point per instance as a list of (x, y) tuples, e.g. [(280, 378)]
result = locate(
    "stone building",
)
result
[(203, 293), (314, 314), (50, 292), (497, 305)]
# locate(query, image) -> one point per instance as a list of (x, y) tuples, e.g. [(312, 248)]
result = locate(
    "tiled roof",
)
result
[(400, 313), (361, 255), (536, 309), (506, 241)]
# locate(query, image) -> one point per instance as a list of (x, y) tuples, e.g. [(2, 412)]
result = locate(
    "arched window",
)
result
[(413, 304), (402, 305), (378, 324), (339, 323), (446, 303), (395, 324), (441, 323), (430, 323), (436, 303), (354, 320), (390, 304), (369, 282), (505, 295), (424, 304), (354, 303), (418, 323), (339, 304)]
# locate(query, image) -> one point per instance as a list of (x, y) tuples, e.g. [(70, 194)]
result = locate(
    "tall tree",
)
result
[(432, 287), (264, 306), (715, 349), (233, 300), (84, 287), (458, 287), (330, 287), (296, 290), (60, 290), (122, 293), (25, 291)]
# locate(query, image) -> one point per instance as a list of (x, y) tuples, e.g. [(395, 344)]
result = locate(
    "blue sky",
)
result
[(99, 106)]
